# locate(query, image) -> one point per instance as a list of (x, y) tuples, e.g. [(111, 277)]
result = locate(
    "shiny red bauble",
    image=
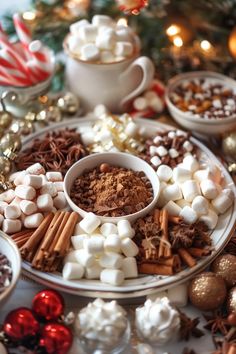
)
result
[(131, 6), (56, 338), (20, 324), (48, 305)]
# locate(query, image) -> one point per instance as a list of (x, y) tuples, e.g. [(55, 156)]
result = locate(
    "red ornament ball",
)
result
[(131, 6), (48, 305), (56, 338), (20, 324)]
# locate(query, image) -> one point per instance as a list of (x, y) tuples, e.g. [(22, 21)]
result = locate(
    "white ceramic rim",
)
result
[(133, 216), (161, 283), (173, 82), (16, 260)]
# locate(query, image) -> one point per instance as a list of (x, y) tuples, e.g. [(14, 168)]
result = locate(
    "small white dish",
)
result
[(185, 119), (117, 159), (10, 250)]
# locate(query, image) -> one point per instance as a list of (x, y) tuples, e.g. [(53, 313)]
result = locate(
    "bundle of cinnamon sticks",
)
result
[(46, 246)]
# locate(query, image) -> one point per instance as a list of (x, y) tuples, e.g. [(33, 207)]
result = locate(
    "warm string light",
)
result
[(29, 15), (173, 32), (177, 41), (122, 22), (205, 45)]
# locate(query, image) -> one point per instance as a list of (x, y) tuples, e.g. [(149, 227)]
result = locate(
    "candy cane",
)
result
[(38, 52), (11, 79), (22, 30), (2, 33)]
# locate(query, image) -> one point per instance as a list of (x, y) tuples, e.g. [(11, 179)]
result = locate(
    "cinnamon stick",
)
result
[(22, 240), (21, 233), (173, 262), (186, 257), (164, 249), (174, 219), (199, 252), (52, 230), (159, 269), (64, 239)]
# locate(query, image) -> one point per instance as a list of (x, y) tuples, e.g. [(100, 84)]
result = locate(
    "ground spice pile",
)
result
[(112, 191)]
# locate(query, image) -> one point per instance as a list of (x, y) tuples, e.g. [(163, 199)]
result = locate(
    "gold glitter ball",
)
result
[(10, 141), (207, 291), (5, 119), (225, 265), (231, 301), (229, 144), (5, 165), (68, 103)]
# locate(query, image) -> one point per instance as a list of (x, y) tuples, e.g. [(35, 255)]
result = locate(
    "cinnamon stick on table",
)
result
[(159, 269), (186, 257), (164, 248), (64, 239)]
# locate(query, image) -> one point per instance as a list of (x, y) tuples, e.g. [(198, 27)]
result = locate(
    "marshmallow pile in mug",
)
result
[(102, 40)]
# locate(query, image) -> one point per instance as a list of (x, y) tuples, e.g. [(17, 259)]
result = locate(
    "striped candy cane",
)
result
[(11, 78), (41, 61), (22, 30)]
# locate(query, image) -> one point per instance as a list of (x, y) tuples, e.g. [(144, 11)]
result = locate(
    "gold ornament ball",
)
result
[(232, 42), (51, 113), (22, 126), (5, 120), (68, 103), (5, 165), (225, 266), (229, 144), (11, 142), (231, 301), (207, 291)]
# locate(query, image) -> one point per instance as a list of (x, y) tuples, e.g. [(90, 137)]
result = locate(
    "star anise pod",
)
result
[(216, 323), (182, 235), (188, 327)]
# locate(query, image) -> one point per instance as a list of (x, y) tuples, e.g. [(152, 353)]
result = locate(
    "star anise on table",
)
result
[(223, 345), (216, 323), (188, 327)]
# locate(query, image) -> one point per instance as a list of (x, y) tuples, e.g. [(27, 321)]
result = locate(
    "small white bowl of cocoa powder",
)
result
[(113, 186)]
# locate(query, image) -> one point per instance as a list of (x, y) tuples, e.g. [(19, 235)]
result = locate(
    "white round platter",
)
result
[(143, 285)]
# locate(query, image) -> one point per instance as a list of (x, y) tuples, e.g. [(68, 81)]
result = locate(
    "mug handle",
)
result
[(148, 71)]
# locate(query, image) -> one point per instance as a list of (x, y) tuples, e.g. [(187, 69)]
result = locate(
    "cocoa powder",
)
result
[(112, 191)]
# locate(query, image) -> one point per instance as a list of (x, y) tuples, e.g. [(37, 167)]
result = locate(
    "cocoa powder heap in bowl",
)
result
[(112, 191)]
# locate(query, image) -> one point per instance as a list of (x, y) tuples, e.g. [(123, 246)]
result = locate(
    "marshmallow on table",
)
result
[(12, 212), (227, 191), (84, 258), (190, 190), (210, 219), (155, 160), (209, 189), (129, 248), (190, 163), (152, 148), (93, 272), (89, 52), (125, 229), (54, 176), (173, 153), (33, 221), (10, 226), (16, 201), (108, 228), (78, 230), (111, 260), (200, 205), (19, 177), (172, 208), (201, 175), (161, 151), (70, 257), (36, 169), (49, 188), (221, 203), (112, 276), (87, 137), (112, 243), (34, 181), (44, 202), (72, 271), (188, 146), (78, 241), (94, 245), (59, 186), (172, 192), (25, 192), (129, 267), (164, 173), (90, 222), (131, 129), (28, 207), (181, 174), (7, 196), (188, 214), (60, 201), (3, 205), (182, 203)]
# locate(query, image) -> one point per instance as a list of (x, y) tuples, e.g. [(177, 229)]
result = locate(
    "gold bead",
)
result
[(22, 126), (5, 165), (11, 142), (51, 113), (231, 301), (5, 120), (30, 116), (229, 144), (207, 291), (225, 266), (68, 103)]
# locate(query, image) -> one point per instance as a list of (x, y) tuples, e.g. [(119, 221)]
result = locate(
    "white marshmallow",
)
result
[(7, 196), (70, 257), (33, 221), (94, 245), (34, 181), (93, 272), (75, 44), (12, 212), (44, 202), (102, 20), (3, 205), (182, 203), (105, 41), (78, 241), (190, 190), (20, 178), (209, 189), (54, 176), (215, 173), (76, 25), (129, 248), (155, 161), (172, 192), (181, 174), (13, 175), (105, 29), (1, 219), (187, 146), (72, 271), (78, 230), (227, 191), (108, 228), (173, 153), (25, 192), (100, 110), (89, 52), (87, 137), (129, 267), (131, 129), (156, 104), (44, 179), (152, 150), (11, 226), (84, 258), (90, 223), (124, 229), (149, 95), (178, 295), (124, 49), (188, 214), (190, 163), (180, 133), (201, 175), (210, 219), (16, 201), (171, 134), (112, 276), (123, 35), (161, 151), (88, 33), (172, 208), (59, 186), (112, 243), (106, 56), (164, 173), (200, 205), (221, 203), (36, 169), (49, 188), (60, 201), (140, 104), (111, 260)]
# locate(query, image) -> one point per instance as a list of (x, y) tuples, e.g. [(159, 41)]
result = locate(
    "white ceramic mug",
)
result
[(112, 84)]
